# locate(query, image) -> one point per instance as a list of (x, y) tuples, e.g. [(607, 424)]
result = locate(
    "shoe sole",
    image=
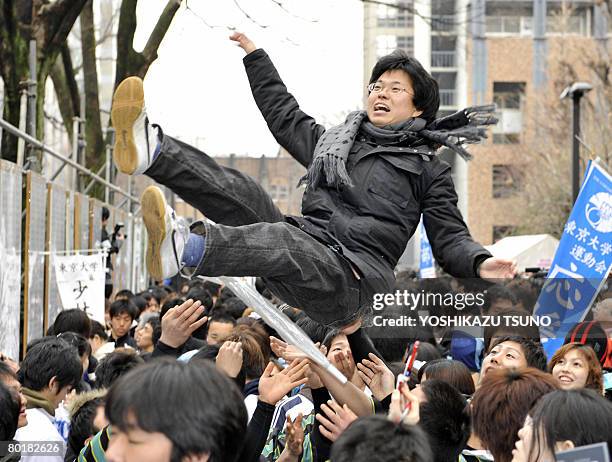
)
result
[(128, 103), (153, 205)]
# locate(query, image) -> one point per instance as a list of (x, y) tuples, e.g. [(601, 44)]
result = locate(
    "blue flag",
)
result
[(582, 261), (427, 267)]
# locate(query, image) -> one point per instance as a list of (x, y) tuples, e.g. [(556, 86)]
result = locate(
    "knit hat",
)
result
[(590, 333)]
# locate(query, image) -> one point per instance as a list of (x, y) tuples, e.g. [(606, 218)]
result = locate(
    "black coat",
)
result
[(371, 222)]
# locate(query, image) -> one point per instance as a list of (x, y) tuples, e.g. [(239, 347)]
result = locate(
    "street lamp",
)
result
[(575, 92)]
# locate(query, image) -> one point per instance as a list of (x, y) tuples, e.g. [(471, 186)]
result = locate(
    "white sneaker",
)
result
[(167, 234), (135, 139)]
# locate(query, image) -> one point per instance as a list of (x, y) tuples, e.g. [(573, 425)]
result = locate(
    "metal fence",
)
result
[(52, 220)]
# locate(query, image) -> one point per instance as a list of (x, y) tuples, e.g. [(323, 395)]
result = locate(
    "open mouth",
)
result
[(565, 379), (379, 107)]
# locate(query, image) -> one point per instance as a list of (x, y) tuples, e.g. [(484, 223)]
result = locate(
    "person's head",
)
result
[(602, 311), (591, 333), (152, 305), (140, 302), (220, 327), (116, 364), (563, 420), (73, 320), (51, 367), (400, 89), (525, 329), (501, 403), (255, 350), (337, 344), (234, 307), (9, 379), (81, 344), (202, 415), (498, 300), (200, 294), (376, 438), (513, 352), (97, 336), (145, 334), (122, 314), (124, 294), (450, 371), (575, 366), (105, 215), (444, 417), (86, 417), (9, 412)]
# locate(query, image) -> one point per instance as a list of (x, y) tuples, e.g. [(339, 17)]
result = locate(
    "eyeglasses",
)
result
[(377, 87)]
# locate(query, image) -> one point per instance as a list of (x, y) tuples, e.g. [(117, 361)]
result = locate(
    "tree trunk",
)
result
[(93, 128)]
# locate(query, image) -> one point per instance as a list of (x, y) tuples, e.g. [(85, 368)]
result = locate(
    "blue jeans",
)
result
[(253, 238)]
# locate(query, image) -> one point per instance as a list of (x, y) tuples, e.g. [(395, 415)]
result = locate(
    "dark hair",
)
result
[(450, 371), (234, 307), (211, 287), (497, 292), (198, 293), (124, 294), (114, 365), (315, 330), (581, 416), (48, 358), (158, 293), (222, 317), (105, 213), (140, 302), (6, 371), (533, 351), (375, 438), (194, 392), (78, 341), (10, 404), (156, 325), (445, 419), (168, 305), (501, 403), (426, 94), (82, 422), (73, 320), (123, 306), (98, 329)]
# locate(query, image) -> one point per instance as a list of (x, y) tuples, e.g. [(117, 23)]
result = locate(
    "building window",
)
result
[(499, 232), (279, 192), (386, 44), (507, 181), (508, 96), (397, 17)]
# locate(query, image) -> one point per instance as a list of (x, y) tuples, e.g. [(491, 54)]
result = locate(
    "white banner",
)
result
[(80, 282)]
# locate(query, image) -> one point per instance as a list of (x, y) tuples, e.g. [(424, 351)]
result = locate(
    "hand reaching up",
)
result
[(180, 322), (377, 376), (336, 419), (243, 42), (273, 387), (229, 358)]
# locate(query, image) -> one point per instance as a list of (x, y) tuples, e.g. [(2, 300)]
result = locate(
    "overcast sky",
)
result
[(198, 90)]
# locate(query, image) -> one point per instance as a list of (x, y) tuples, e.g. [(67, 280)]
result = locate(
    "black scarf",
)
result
[(332, 149)]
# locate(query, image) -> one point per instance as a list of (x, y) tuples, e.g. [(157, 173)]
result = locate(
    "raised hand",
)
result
[(272, 388), (295, 436), (180, 322), (404, 406), (285, 351), (377, 376), (336, 419), (243, 42), (497, 268), (229, 358)]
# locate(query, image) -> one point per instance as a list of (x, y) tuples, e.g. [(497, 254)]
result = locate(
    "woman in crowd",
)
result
[(575, 366), (501, 403), (561, 421)]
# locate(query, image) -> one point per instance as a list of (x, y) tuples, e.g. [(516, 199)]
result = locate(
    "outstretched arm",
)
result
[(294, 130)]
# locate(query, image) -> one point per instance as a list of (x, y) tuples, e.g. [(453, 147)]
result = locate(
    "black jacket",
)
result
[(371, 222)]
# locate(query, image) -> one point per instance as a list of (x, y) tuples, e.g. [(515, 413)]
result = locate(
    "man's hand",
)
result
[(243, 42), (285, 351), (377, 376), (404, 406), (497, 268), (336, 420), (294, 442), (272, 388), (344, 363), (229, 358), (180, 322)]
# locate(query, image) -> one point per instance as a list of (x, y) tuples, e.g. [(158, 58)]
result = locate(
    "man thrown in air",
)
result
[(368, 182)]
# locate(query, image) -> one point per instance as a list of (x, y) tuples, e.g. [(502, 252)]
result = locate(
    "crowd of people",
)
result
[(194, 374)]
